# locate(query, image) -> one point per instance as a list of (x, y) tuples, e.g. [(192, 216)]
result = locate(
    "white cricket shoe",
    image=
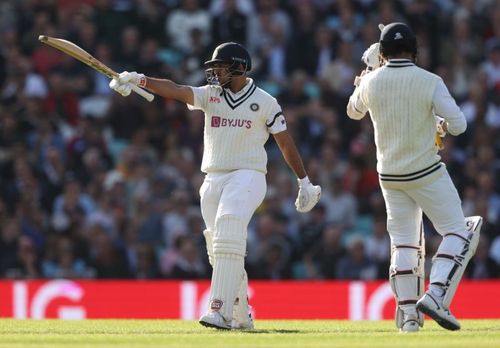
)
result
[(243, 321), (433, 307), (215, 320), (410, 323)]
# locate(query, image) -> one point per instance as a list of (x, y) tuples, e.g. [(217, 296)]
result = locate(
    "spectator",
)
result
[(355, 264), (230, 24), (328, 252), (66, 264), (482, 266), (182, 21), (378, 246), (118, 177), (11, 233), (188, 264)]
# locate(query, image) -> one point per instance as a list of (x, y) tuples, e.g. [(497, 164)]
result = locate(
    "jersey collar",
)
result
[(238, 98), (241, 91), (399, 63)]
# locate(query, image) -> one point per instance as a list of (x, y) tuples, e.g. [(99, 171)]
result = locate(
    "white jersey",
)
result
[(402, 100), (237, 125)]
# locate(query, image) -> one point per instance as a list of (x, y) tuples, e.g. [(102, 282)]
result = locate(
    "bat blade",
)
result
[(79, 53), (83, 56)]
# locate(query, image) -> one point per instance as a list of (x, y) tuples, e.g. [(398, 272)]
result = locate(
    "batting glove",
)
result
[(439, 126), (308, 196), (371, 56), (123, 84), (440, 133)]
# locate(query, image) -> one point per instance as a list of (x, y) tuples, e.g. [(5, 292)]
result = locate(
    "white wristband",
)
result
[(304, 181)]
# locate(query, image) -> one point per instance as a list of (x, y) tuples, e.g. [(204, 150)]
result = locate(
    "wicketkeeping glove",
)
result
[(123, 84), (308, 196)]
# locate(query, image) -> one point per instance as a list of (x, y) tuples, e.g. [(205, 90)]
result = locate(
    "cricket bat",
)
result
[(83, 56)]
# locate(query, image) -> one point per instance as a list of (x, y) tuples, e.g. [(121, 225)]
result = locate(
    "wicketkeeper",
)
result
[(403, 101)]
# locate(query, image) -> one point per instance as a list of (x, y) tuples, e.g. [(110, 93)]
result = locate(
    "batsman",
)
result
[(239, 117), (408, 106)]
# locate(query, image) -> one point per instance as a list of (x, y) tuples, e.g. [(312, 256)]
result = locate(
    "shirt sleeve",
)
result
[(446, 107), (356, 108), (199, 97), (275, 120)]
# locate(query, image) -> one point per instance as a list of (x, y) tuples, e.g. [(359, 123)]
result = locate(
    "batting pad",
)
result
[(406, 279), (452, 258), (229, 246), (240, 310)]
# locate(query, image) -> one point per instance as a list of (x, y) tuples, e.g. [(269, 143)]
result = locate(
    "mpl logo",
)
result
[(214, 100), (215, 121)]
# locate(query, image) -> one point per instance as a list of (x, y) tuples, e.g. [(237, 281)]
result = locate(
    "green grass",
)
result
[(186, 334)]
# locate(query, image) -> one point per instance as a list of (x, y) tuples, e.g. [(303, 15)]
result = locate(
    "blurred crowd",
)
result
[(94, 185)]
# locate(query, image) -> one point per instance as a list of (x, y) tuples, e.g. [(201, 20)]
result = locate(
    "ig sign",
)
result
[(47, 293)]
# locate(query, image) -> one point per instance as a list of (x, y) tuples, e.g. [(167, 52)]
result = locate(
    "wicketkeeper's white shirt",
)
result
[(237, 125)]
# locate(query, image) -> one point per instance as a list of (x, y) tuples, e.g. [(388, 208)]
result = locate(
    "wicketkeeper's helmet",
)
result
[(396, 38), (234, 55)]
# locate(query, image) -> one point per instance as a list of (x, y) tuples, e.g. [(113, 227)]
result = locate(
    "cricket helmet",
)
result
[(396, 38), (234, 55)]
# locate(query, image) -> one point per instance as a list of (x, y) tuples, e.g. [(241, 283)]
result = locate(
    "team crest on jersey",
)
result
[(254, 106)]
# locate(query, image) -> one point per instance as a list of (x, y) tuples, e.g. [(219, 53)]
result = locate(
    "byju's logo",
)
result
[(215, 121), (214, 100)]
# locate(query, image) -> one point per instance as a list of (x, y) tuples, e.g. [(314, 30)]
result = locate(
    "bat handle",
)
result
[(145, 94)]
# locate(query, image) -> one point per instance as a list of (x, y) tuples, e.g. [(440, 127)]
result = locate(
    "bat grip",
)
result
[(145, 94)]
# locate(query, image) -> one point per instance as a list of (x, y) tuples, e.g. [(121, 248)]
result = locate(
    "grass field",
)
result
[(186, 334)]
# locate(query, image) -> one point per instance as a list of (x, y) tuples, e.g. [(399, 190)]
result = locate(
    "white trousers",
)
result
[(440, 203), (230, 197), (239, 193)]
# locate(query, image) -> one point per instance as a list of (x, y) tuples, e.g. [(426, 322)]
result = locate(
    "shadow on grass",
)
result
[(272, 331)]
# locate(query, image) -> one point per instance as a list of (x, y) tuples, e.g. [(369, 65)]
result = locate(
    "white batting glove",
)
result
[(371, 56), (123, 84), (308, 196)]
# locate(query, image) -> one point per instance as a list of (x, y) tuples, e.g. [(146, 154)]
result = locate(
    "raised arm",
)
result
[(163, 87), (356, 109)]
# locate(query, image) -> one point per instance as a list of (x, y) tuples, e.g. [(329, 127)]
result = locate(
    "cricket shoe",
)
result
[(410, 323), (215, 320), (243, 321), (433, 307)]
